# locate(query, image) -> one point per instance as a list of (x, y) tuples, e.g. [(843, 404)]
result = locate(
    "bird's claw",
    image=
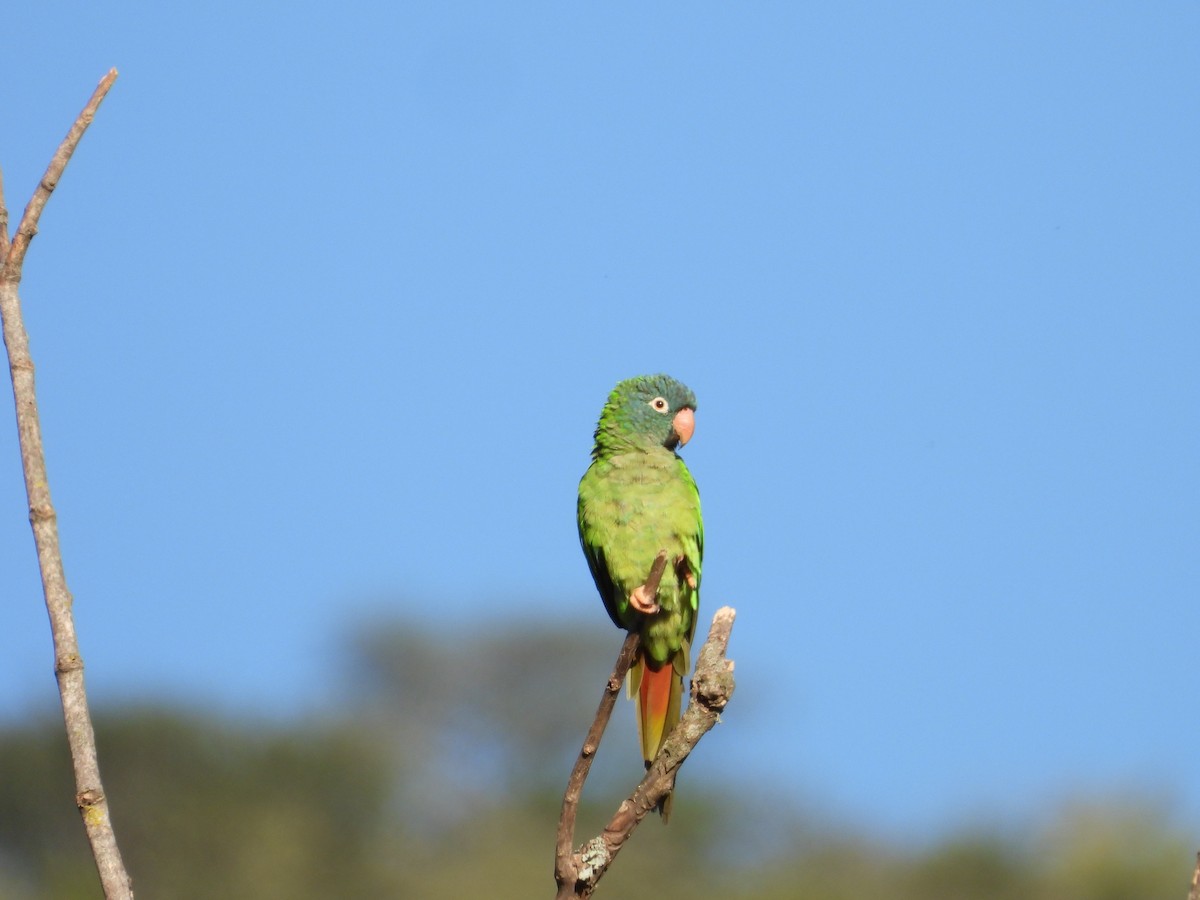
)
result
[(685, 572), (643, 601)]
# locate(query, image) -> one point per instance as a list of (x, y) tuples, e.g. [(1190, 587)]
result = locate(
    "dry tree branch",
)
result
[(27, 227), (1194, 893), (68, 665), (566, 865), (591, 742), (578, 872)]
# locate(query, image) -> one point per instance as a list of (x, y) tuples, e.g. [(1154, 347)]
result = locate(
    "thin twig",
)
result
[(577, 873), (564, 862), (27, 227), (68, 665), (1194, 893), (563, 857)]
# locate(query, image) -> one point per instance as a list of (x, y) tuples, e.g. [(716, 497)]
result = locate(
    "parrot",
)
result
[(636, 498)]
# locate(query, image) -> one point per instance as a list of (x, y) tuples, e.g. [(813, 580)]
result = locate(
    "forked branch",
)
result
[(68, 665), (578, 871)]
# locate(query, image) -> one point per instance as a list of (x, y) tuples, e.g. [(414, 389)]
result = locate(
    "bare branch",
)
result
[(564, 863), (577, 873), (591, 742), (656, 574), (68, 664), (27, 227), (1194, 893)]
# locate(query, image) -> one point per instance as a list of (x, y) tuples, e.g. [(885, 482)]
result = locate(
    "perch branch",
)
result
[(578, 872), (68, 665), (591, 742), (565, 865), (1194, 893)]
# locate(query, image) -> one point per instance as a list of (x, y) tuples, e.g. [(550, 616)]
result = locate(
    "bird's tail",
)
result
[(657, 694)]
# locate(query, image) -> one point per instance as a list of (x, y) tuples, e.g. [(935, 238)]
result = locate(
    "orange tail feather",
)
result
[(653, 707), (658, 695)]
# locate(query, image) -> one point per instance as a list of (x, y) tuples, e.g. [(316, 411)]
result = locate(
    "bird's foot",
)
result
[(685, 572), (643, 601)]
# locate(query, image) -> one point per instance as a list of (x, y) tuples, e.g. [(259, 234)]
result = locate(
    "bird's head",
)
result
[(646, 412)]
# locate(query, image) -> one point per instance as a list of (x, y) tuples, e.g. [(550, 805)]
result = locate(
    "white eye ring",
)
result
[(660, 404)]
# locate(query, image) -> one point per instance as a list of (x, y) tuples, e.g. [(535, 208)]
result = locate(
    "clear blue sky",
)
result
[(329, 299)]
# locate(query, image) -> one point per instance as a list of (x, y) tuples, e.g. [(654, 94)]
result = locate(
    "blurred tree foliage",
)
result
[(441, 777)]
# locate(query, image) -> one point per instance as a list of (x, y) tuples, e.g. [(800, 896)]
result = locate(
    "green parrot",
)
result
[(637, 498)]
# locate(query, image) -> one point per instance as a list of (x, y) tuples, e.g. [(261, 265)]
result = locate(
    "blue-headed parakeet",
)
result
[(637, 498)]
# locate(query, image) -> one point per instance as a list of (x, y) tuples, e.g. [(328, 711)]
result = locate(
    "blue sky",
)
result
[(327, 303)]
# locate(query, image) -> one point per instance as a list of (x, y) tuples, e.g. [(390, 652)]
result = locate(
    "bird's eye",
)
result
[(659, 404)]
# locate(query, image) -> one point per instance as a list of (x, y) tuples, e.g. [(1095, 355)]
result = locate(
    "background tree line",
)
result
[(441, 771)]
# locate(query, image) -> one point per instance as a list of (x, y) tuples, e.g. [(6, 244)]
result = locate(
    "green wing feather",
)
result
[(631, 506)]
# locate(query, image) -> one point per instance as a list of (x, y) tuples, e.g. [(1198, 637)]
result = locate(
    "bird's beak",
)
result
[(684, 424)]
